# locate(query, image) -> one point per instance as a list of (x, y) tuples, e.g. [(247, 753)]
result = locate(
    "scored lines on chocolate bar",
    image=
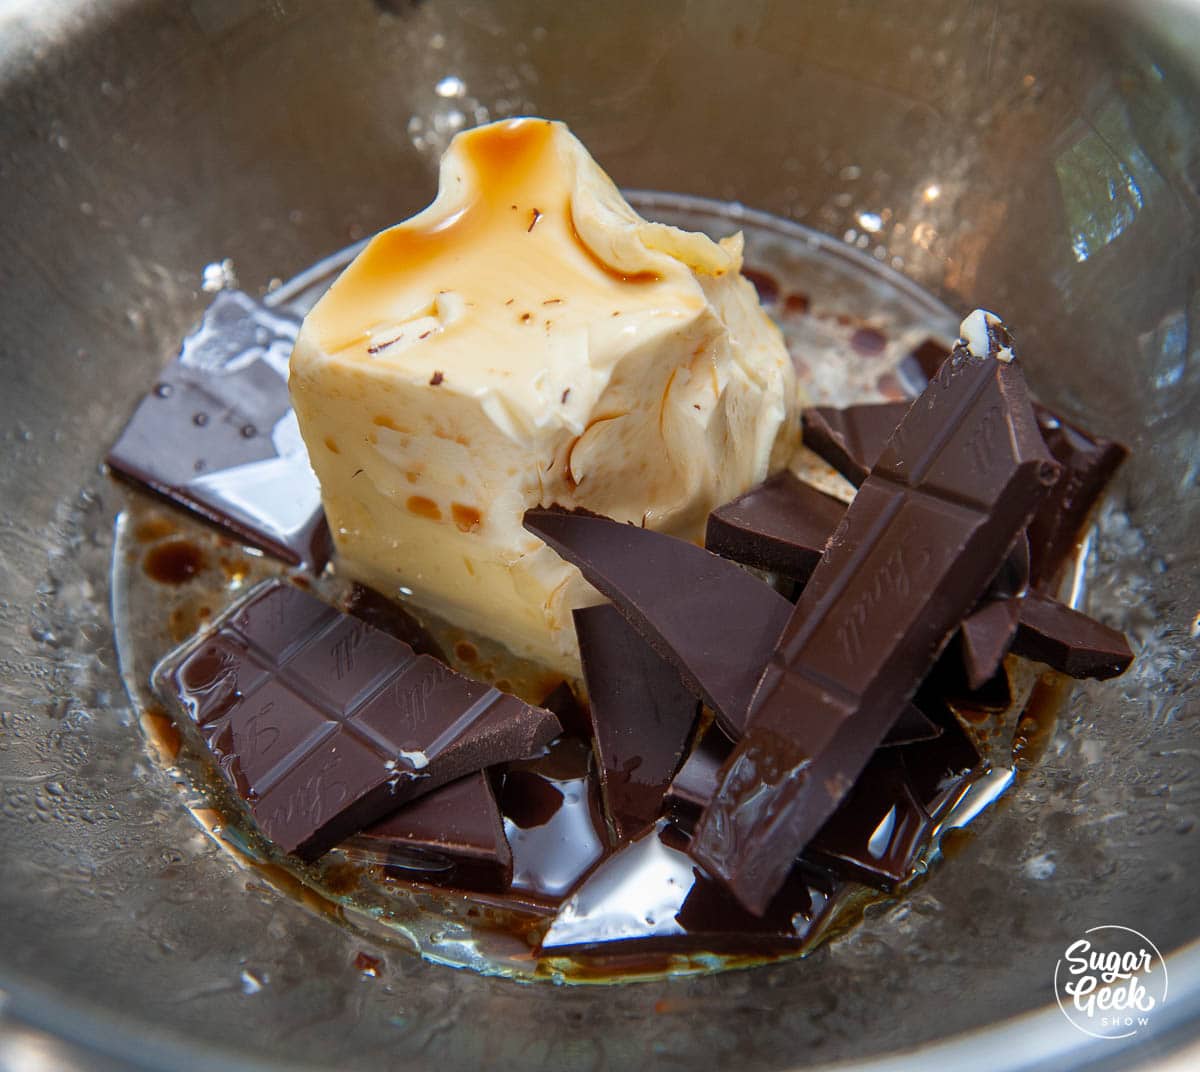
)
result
[(323, 724), (872, 620)]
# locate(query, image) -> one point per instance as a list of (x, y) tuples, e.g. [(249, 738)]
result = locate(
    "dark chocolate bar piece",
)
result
[(911, 725), (573, 716), (649, 896), (642, 716), (879, 829), (452, 836), (385, 614), (217, 434), (780, 525), (986, 636), (851, 439), (1088, 464), (553, 820), (711, 619), (928, 530), (323, 725), (1067, 641), (698, 779), (1013, 577), (928, 358)]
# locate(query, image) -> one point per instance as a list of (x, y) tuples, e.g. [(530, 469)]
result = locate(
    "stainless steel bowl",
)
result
[(1039, 159)]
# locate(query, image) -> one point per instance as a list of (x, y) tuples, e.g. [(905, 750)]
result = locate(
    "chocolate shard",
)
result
[(851, 439), (878, 831), (698, 779), (452, 836), (911, 725), (928, 530), (1012, 579), (1067, 641), (780, 525), (571, 714), (218, 437), (986, 636), (642, 716), (553, 820), (928, 358), (707, 616), (650, 897), (384, 614), (322, 725), (1088, 464)]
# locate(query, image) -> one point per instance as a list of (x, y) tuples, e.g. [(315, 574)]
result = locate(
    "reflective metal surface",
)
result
[(1038, 159)]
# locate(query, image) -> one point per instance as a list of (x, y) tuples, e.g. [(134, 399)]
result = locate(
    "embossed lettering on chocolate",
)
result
[(958, 481), (322, 725)]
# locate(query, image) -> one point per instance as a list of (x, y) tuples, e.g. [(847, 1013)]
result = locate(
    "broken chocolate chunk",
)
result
[(1068, 641), (711, 619), (911, 725), (217, 434), (876, 833), (928, 530), (921, 364), (642, 716), (1013, 577), (698, 779), (780, 525), (880, 828), (573, 716), (851, 439), (452, 836), (1088, 464), (986, 635), (384, 614), (322, 725)]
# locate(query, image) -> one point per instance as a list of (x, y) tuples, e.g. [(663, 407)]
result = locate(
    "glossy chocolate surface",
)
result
[(217, 434), (642, 716), (322, 725), (926, 533)]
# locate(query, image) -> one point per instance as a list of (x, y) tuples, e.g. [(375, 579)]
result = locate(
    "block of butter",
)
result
[(529, 339)]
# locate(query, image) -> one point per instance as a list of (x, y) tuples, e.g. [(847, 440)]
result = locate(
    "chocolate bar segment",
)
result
[(642, 716), (851, 439), (958, 481), (323, 725), (1067, 641), (388, 616), (1088, 464), (452, 836), (986, 635), (218, 437), (572, 715), (878, 831), (911, 725), (780, 525), (698, 780), (711, 619)]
